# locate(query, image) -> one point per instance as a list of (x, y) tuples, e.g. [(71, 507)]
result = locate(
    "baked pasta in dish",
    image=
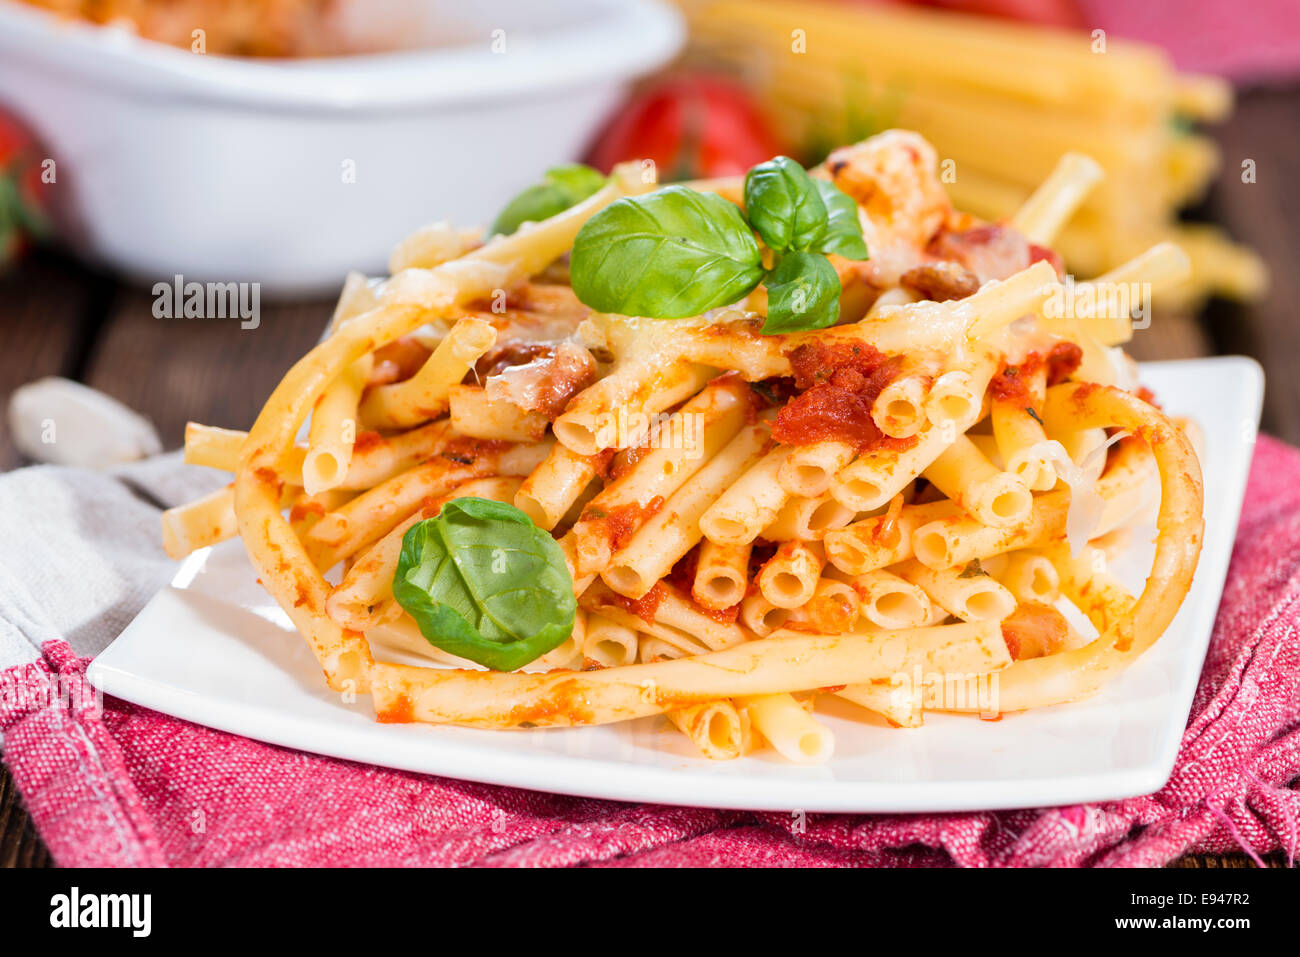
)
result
[(716, 450)]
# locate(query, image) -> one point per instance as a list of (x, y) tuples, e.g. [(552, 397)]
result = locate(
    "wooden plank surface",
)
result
[(49, 311), (1266, 129), (20, 845), (56, 318), (206, 370)]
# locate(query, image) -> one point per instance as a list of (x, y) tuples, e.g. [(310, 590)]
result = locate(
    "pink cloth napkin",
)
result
[(1254, 41), (127, 786)]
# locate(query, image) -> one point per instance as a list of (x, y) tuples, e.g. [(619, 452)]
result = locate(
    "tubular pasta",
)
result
[(964, 475), (675, 528), (721, 573), (899, 410), (751, 502), (882, 540), (426, 394), (715, 727), (890, 601), (971, 597), (789, 577), (334, 430), (596, 417), (713, 418), (783, 661), (795, 734), (474, 414), (607, 643), (207, 521), (808, 470)]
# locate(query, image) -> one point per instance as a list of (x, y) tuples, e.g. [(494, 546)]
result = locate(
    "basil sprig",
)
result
[(803, 292), (484, 583), (843, 234), (560, 188), (675, 252), (785, 206), (665, 253)]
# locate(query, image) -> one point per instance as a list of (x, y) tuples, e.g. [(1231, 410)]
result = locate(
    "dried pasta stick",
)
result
[(1057, 198)]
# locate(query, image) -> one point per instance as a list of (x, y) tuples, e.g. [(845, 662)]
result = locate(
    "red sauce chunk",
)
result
[(941, 281), (303, 509), (507, 355), (1034, 631), (1063, 361), (367, 441), (1147, 396), (621, 465), (400, 711), (839, 383), (1011, 384), (618, 524), (1039, 253), (465, 450), (398, 360), (724, 616), (647, 605), (682, 575)]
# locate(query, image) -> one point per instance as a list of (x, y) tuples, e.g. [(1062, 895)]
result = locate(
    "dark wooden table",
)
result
[(59, 318)]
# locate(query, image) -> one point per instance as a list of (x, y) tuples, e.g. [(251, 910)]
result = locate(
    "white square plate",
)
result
[(215, 649)]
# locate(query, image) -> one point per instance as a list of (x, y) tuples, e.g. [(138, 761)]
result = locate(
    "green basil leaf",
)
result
[(784, 205), (843, 228), (484, 583), (561, 188), (668, 254), (576, 180), (803, 292)]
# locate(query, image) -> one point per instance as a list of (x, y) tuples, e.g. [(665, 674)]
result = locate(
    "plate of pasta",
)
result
[(799, 489)]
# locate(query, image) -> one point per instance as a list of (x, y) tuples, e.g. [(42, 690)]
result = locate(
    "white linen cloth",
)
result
[(81, 550)]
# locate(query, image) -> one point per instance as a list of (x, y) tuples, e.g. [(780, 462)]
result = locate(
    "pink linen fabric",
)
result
[(1250, 42), (108, 783)]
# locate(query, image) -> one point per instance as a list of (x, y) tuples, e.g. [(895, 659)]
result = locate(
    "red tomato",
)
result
[(691, 126), (22, 213), (1055, 13)]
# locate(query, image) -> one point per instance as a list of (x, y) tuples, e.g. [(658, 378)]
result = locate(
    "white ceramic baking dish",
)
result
[(291, 172)]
